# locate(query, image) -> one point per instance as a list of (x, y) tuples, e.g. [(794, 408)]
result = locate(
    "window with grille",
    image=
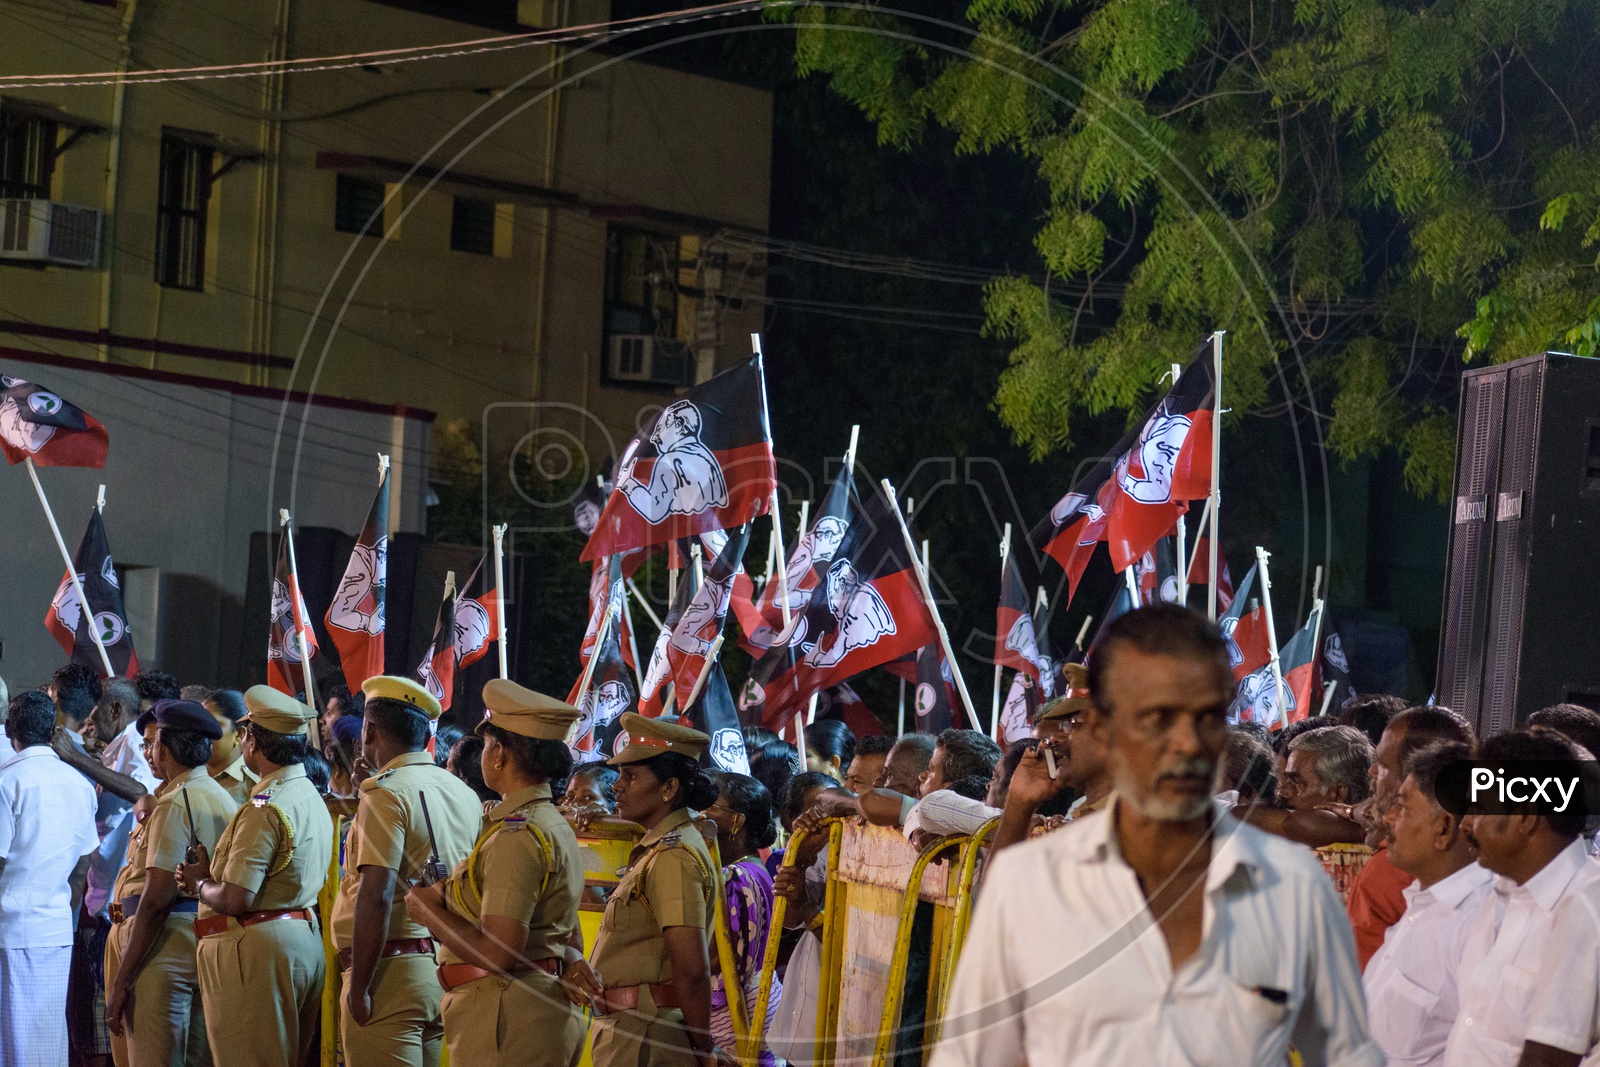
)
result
[(641, 315), (27, 156), (182, 201), (472, 226), (356, 201)]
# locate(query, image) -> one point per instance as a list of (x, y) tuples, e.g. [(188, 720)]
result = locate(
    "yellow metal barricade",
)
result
[(966, 886), (332, 983), (769, 963), (894, 992)]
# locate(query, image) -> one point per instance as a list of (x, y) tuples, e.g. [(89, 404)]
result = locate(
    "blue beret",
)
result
[(180, 715)]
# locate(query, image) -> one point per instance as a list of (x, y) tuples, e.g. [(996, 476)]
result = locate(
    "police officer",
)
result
[(390, 994), (227, 764), (507, 918), (650, 978), (152, 987), (260, 952)]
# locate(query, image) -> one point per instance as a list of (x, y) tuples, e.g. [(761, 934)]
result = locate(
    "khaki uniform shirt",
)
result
[(389, 831), (279, 844), (670, 882), (526, 866), (238, 780), (161, 840)]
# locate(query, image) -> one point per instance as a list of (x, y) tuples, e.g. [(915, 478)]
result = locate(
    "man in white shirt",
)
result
[(1411, 978), (1158, 930), (1530, 970), (46, 835)]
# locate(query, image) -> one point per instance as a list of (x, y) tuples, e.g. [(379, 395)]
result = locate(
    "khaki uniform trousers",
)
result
[(649, 1037), (167, 1026), (404, 1030), (264, 984), (497, 1022)]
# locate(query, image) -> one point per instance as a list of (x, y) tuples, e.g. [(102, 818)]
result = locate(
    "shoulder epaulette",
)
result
[(261, 800)]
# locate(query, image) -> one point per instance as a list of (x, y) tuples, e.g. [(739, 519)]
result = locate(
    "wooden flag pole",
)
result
[(1216, 471), (594, 655), (705, 672), (1262, 555), (87, 618), (301, 624), (994, 714), (783, 560), (933, 609), (644, 605), (500, 598)]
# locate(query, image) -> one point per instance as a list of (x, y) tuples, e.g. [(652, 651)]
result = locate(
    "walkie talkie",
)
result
[(433, 871)]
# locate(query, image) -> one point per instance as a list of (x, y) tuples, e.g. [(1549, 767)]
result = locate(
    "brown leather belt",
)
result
[(626, 998), (400, 946), (218, 924), (455, 975)]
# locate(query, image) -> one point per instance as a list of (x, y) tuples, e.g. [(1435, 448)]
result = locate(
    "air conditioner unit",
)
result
[(43, 231), (632, 357)]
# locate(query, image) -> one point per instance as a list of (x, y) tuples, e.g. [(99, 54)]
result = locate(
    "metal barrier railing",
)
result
[(965, 893)]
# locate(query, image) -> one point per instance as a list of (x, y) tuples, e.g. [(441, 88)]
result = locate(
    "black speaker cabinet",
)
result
[(1520, 628)]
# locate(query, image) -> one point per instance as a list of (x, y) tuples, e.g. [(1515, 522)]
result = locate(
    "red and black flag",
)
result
[(1244, 628), (1133, 497), (101, 587), (477, 623), (1336, 666), (713, 714), (607, 591), (611, 690), (1156, 573), (355, 619), (812, 553), (1016, 642), (935, 702), (437, 671), (1200, 572), (289, 618), (652, 702), (1257, 700), (867, 609), (37, 424), (705, 462), (697, 627)]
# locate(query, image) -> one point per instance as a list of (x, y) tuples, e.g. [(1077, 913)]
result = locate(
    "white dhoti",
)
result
[(33, 1006)]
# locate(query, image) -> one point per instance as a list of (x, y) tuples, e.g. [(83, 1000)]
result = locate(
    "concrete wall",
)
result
[(191, 474)]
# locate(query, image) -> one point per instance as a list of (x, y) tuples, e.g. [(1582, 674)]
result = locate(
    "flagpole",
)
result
[(1133, 587), (1194, 557), (1316, 638), (994, 715), (633, 644), (783, 560), (699, 565), (933, 609), (1316, 585), (900, 716), (500, 597), (300, 625), (100, 500), (1327, 696), (594, 654), (644, 605), (1083, 632), (1216, 472), (705, 672), (1181, 552), (87, 618), (1262, 555)]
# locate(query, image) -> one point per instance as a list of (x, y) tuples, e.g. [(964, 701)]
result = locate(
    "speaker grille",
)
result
[(1511, 518)]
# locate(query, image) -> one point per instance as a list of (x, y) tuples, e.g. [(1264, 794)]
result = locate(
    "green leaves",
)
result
[(1072, 242)]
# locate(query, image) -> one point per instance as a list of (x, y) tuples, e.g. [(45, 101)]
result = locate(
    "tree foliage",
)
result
[(1368, 195)]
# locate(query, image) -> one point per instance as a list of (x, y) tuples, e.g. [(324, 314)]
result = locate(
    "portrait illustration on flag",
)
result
[(355, 618), (97, 574), (38, 424), (285, 671)]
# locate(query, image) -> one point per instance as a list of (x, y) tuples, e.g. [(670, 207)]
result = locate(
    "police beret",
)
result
[(402, 691), (180, 715), (1074, 700), (649, 738), (278, 712), (522, 711)]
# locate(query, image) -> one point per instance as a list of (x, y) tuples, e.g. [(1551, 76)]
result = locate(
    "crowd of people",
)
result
[(1162, 885)]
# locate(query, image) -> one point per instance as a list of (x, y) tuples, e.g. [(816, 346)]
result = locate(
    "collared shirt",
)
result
[(1411, 979), (46, 826), (1377, 898), (1523, 966), (278, 845), (1065, 964), (389, 831), (670, 882), (944, 812), (114, 817), (238, 780), (193, 808)]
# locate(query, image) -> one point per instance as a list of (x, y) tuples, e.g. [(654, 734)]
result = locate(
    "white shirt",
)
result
[(46, 826), (1065, 964), (1530, 967), (1411, 979), (114, 817), (944, 812)]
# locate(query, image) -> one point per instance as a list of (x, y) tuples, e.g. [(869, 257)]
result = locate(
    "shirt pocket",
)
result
[(1405, 1023), (1229, 1024), (1508, 1017)]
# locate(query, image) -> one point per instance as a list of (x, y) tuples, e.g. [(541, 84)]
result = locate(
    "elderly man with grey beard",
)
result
[(1158, 930)]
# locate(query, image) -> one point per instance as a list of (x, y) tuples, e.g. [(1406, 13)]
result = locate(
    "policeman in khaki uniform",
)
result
[(513, 902), (649, 977), (152, 987), (390, 996), (260, 952)]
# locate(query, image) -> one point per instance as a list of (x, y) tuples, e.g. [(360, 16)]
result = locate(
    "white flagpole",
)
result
[(1316, 636), (1180, 545), (633, 644), (994, 714), (705, 672), (500, 597), (299, 633), (1316, 585), (1262, 555), (594, 655), (933, 608), (1216, 471), (850, 453), (1327, 696), (100, 499), (644, 605), (87, 618), (900, 715), (1205, 515), (1133, 587), (1083, 632), (699, 566), (783, 560)]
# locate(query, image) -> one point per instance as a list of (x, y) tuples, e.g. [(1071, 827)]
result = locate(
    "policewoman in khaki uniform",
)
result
[(260, 951), (227, 707), (507, 917), (649, 977), (152, 986), (389, 992)]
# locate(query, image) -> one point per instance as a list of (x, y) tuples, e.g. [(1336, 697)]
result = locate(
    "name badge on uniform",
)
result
[(261, 800), (514, 822)]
